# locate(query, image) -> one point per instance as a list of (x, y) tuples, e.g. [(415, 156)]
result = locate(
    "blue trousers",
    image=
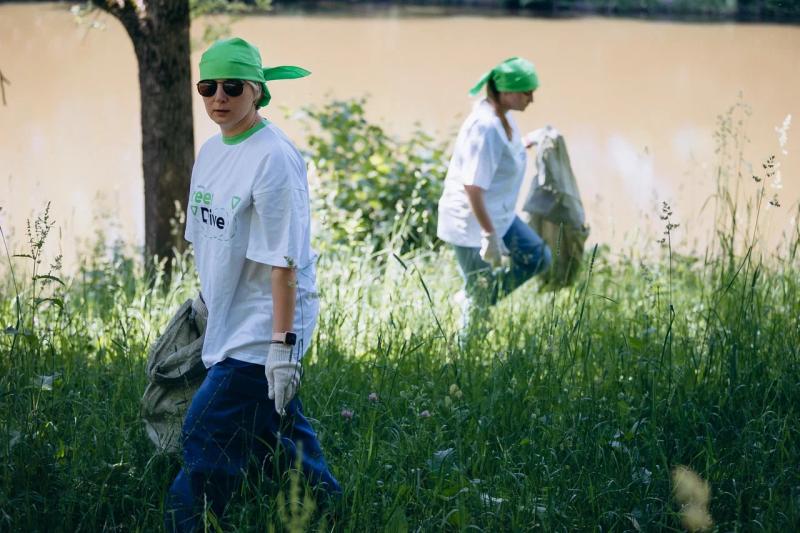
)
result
[(232, 425), (484, 286)]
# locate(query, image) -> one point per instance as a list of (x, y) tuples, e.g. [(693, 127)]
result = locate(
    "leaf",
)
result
[(50, 278), (397, 522), (46, 382), (636, 344), (458, 518), (14, 438), (440, 458), (451, 492), (57, 301), (489, 500)]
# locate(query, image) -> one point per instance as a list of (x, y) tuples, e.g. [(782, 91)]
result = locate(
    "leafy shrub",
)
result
[(373, 189)]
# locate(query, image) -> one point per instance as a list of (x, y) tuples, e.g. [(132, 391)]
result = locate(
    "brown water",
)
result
[(636, 101)]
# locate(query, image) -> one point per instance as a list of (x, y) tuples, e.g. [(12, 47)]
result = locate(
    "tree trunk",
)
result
[(159, 31)]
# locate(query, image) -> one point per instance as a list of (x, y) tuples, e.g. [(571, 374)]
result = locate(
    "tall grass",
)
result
[(570, 413)]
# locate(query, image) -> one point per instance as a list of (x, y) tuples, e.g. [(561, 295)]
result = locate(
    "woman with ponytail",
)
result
[(496, 251)]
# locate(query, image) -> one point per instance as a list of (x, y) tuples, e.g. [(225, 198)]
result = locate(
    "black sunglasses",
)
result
[(232, 88)]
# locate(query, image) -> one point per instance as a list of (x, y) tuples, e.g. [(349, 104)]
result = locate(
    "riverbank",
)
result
[(754, 11)]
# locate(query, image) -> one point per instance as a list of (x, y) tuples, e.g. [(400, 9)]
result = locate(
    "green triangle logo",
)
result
[(235, 201), (194, 210)]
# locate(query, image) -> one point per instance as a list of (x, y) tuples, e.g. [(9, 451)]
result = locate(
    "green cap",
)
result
[(512, 75), (237, 59)]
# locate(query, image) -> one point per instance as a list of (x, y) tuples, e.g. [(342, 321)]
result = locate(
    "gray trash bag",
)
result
[(175, 371), (552, 205)]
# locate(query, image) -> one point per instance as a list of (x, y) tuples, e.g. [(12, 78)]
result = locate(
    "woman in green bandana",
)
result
[(249, 223), (496, 251)]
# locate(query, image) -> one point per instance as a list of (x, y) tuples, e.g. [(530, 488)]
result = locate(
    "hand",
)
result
[(493, 250), (529, 139), (283, 375)]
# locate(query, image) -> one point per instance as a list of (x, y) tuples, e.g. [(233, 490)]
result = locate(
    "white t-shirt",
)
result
[(249, 211), (482, 156)]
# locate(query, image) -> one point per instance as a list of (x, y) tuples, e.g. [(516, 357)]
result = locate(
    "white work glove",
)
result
[(493, 249), (529, 139), (283, 375)]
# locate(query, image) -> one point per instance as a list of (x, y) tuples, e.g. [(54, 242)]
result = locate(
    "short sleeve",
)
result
[(480, 154), (279, 226), (187, 232)]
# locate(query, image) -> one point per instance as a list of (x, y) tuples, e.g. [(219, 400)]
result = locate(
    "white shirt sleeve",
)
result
[(480, 154), (187, 233), (279, 224)]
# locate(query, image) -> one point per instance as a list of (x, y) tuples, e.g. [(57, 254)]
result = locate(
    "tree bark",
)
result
[(159, 30)]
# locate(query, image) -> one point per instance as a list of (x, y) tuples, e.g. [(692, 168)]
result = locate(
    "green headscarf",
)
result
[(512, 75), (237, 59)]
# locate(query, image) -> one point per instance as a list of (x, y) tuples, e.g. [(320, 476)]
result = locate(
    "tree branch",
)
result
[(131, 13)]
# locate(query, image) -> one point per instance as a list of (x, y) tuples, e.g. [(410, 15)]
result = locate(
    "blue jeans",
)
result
[(231, 425), (484, 286)]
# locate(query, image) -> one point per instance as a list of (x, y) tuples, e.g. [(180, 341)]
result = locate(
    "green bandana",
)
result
[(512, 75), (236, 59)]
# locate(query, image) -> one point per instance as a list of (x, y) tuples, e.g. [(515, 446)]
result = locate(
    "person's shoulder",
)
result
[(482, 111), (280, 156), (273, 142), (211, 143), (483, 120), (209, 147)]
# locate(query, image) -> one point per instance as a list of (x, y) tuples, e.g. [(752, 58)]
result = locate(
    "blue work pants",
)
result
[(230, 427), (484, 286)]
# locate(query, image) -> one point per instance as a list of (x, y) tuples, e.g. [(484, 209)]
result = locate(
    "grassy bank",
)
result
[(572, 410), (569, 414)]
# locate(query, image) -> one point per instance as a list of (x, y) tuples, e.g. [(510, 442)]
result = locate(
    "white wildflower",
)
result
[(782, 132)]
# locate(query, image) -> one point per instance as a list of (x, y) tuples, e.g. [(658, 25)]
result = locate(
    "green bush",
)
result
[(373, 189)]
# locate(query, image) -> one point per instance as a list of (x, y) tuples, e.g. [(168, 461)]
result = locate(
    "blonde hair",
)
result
[(257, 90)]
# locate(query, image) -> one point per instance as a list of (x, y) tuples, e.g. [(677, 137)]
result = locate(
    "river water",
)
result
[(637, 102)]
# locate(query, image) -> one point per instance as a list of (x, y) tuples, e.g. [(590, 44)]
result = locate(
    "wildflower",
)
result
[(644, 475), (425, 414), (696, 518), (616, 442), (777, 182), (782, 132), (693, 494), (347, 414), (669, 227), (689, 487), (373, 397), (455, 392), (489, 500)]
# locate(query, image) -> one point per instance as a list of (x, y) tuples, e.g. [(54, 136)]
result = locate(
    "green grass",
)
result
[(569, 414)]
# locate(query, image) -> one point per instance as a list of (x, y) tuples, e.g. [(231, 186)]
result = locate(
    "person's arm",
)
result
[(283, 367), (493, 250), (284, 288), (475, 197)]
